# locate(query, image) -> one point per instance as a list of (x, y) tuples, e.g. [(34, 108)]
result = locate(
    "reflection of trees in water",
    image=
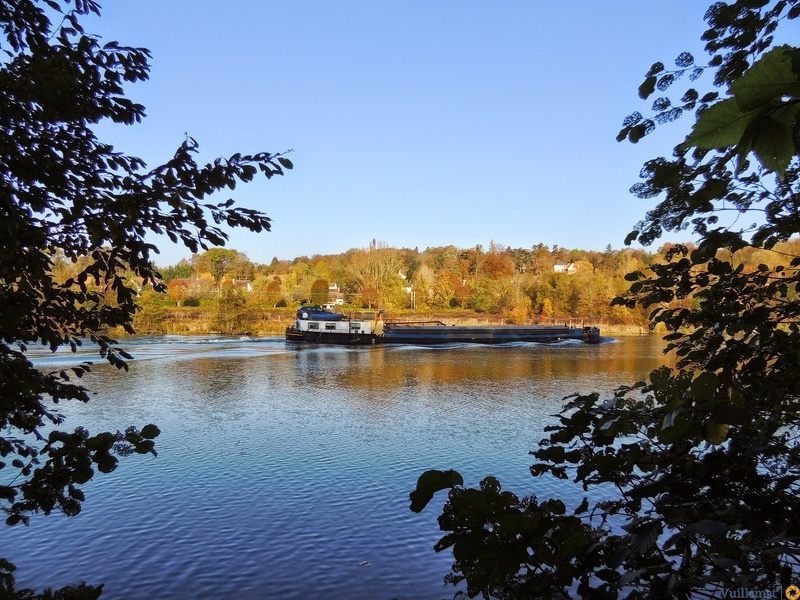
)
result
[(456, 365), (389, 368), (206, 384)]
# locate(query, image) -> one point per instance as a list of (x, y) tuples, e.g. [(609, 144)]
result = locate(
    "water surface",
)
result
[(284, 470)]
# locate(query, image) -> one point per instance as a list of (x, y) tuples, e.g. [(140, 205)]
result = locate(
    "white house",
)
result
[(561, 267), (335, 293)]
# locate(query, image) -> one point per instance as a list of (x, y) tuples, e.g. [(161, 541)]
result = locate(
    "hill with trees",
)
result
[(221, 290), (513, 284)]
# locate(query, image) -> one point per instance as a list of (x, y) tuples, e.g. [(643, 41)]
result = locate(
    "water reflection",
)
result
[(284, 468), (545, 368)]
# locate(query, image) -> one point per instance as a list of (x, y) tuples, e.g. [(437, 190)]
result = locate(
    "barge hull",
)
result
[(436, 335), (431, 335), (321, 337)]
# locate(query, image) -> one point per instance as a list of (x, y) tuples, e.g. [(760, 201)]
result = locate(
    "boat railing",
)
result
[(414, 323), (360, 315)]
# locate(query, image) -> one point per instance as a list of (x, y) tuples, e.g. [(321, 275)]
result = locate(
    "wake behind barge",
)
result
[(322, 326)]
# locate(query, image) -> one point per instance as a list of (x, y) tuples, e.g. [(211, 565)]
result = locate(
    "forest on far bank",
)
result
[(222, 291)]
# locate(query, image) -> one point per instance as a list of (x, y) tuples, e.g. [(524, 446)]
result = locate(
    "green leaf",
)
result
[(554, 506), (554, 454), (657, 68), (769, 79), (684, 60), (760, 115), (472, 502), (105, 462), (150, 431), (82, 475), (721, 126), (639, 131), (431, 482), (582, 507), (647, 88), (704, 386), (144, 447), (446, 541), (774, 145), (645, 537), (715, 432), (285, 163)]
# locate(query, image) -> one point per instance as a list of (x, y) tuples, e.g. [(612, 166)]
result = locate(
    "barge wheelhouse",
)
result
[(324, 326)]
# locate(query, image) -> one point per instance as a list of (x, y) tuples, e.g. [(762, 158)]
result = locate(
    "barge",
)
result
[(323, 326)]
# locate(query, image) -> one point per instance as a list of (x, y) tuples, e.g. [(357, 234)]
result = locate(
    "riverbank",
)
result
[(257, 322)]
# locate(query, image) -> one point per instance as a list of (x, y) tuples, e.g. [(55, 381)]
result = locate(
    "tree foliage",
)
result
[(217, 261), (376, 272), (319, 291), (694, 474), (533, 292), (65, 195)]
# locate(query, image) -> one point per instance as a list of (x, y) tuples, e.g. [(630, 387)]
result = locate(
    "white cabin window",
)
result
[(313, 325), (330, 326), (355, 326)]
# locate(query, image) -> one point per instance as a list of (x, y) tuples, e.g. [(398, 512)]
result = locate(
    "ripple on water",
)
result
[(284, 471)]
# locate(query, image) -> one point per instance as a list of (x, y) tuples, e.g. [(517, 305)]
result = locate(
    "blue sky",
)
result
[(413, 123)]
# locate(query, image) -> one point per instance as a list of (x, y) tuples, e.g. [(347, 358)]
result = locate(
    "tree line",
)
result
[(519, 284)]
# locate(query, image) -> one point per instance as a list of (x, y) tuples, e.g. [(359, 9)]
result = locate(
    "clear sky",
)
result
[(413, 123)]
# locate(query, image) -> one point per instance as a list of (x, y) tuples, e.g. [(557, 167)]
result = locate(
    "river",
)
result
[(283, 470)]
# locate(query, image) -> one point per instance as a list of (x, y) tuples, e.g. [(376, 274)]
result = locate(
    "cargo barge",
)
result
[(323, 326)]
